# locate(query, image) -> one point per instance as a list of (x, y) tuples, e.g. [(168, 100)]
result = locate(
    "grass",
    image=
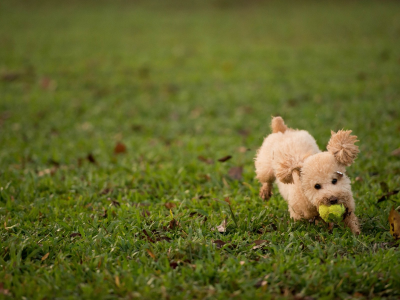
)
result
[(175, 81)]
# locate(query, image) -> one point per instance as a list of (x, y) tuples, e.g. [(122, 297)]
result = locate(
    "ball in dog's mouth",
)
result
[(332, 213)]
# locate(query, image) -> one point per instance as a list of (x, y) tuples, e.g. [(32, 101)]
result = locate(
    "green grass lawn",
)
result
[(175, 82)]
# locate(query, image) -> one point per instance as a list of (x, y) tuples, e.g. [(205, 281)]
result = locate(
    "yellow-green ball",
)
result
[(331, 213)]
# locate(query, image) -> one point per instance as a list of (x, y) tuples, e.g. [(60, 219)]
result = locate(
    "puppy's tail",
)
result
[(278, 125)]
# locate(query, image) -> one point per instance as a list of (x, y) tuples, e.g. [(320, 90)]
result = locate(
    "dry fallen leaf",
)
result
[(145, 213), (75, 234), (117, 283), (225, 158), (115, 203), (222, 228), (45, 256), (205, 160), (151, 254), (259, 244), (219, 243), (173, 224), (394, 222), (47, 83), (119, 148), (91, 158), (386, 196), (358, 295), (170, 205), (261, 283), (243, 149), (147, 236), (50, 171), (236, 173), (106, 191), (4, 291), (396, 152), (11, 76), (173, 264)]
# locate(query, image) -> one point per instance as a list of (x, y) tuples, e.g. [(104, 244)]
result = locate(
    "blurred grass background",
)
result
[(173, 80)]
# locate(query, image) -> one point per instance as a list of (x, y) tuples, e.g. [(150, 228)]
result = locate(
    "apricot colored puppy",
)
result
[(307, 177)]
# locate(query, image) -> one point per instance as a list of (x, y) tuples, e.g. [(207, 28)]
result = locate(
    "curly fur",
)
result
[(341, 145), (292, 159), (278, 125)]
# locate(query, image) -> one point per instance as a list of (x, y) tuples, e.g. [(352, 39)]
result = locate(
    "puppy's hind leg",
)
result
[(266, 178), (266, 190)]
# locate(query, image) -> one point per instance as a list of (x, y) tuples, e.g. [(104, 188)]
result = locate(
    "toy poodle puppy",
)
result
[(307, 177)]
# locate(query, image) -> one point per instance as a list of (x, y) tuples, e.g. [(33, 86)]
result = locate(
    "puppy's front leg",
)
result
[(351, 221)]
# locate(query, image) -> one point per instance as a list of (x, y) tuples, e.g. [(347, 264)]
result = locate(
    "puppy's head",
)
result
[(322, 175)]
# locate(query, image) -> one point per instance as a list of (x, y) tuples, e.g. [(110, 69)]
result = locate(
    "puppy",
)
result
[(307, 177)]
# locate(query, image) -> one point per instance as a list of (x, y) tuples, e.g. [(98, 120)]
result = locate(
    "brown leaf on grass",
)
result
[(115, 203), (330, 226), (75, 234), (173, 224), (151, 254), (394, 222), (259, 244), (51, 171), (359, 179), (244, 132), (387, 196), (54, 163), (45, 256), (4, 291), (148, 238), (173, 264), (106, 191), (119, 148), (261, 283), (91, 158), (358, 295), (396, 152), (243, 149), (235, 173), (105, 215), (145, 213), (163, 238), (47, 83), (225, 158), (205, 160), (222, 227), (11, 76), (117, 282), (170, 205), (219, 243), (226, 199)]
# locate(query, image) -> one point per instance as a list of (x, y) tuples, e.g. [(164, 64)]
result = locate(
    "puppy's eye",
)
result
[(317, 186), (334, 181)]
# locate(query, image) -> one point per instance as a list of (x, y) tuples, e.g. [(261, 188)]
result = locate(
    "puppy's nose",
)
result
[(333, 200)]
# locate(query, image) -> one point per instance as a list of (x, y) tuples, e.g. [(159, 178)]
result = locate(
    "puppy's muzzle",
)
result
[(333, 200)]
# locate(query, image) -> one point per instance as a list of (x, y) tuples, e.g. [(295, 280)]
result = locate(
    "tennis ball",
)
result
[(331, 213)]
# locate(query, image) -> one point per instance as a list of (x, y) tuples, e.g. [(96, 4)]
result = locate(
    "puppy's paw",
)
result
[(266, 191)]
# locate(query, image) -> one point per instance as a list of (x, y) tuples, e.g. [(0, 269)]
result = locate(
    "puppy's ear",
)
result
[(341, 145), (285, 165)]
